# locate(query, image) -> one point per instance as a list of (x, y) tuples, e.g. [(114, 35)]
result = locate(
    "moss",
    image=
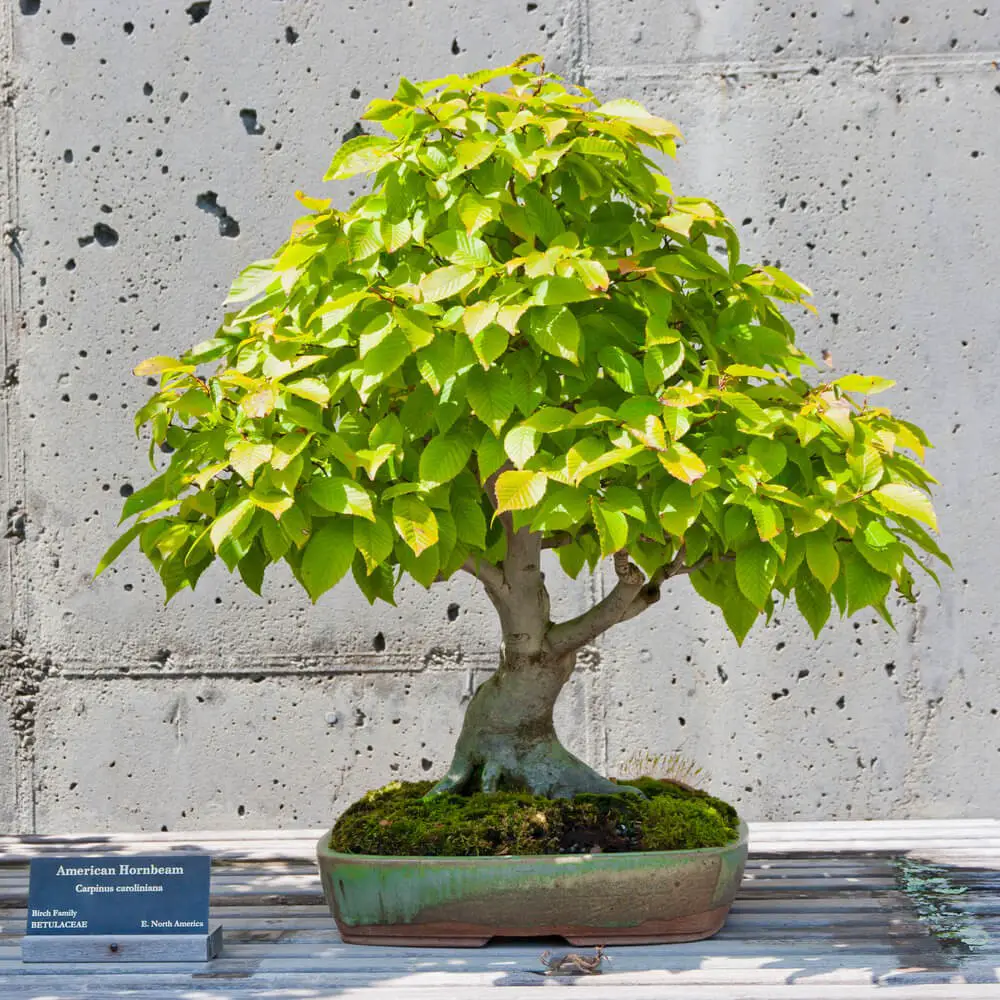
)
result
[(397, 821)]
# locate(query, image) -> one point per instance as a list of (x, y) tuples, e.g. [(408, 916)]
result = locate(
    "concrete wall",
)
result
[(150, 150)]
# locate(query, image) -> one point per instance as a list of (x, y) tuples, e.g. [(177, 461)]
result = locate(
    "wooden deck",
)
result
[(843, 911)]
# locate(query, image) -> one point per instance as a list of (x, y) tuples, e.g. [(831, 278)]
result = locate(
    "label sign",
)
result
[(119, 895)]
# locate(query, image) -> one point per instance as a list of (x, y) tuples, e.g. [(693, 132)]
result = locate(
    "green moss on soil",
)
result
[(397, 821)]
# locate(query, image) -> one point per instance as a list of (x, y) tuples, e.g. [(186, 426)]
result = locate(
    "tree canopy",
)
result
[(521, 316)]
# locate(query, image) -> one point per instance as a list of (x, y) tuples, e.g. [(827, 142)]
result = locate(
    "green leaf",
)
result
[(604, 149), (880, 548), (612, 527), (770, 455), (555, 330), (232, 523), (756, 569), (865, 586), (470, 521), (461, 248), (678, 508), (491, 397), (445, 282), (866, 465), (822, 558), (415, 522), (813, 601), (556, 291), (340, 495), (253, 280), (489, 344), (519, 490), (898, 498), (118, 546), (661, 362), (444, 458), (739, 613), (364, 153), (625, 499), (373, 539), (623, 368), (327, 557)]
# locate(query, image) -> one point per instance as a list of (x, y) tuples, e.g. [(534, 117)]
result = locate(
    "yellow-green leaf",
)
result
[(519, 490), (682, 463), (415, 522), (868, 384), (310, 388), (246, 458), (232, 523), (159, 365), (906, 500), (445, 282)]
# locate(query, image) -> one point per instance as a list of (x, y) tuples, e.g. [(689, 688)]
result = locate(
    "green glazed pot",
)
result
[(647, 897)]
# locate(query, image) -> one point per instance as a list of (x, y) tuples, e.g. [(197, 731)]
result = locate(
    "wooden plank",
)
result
[(264, 990)]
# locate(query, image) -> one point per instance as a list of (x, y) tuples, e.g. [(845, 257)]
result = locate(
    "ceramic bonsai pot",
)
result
[(647, 897)]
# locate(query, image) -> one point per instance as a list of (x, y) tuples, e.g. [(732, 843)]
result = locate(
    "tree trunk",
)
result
[(508, 738)]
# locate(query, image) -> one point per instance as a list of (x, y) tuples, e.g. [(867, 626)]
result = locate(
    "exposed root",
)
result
[(545, 767)]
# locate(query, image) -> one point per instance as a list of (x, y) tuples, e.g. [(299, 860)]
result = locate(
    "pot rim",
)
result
[(323, 850)]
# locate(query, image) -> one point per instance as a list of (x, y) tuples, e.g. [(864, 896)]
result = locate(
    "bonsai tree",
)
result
[(522, 340)]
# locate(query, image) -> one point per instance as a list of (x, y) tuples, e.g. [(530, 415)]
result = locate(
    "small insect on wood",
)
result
[(572, 964)]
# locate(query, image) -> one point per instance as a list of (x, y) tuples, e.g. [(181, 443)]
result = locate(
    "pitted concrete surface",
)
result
[(147, 152)]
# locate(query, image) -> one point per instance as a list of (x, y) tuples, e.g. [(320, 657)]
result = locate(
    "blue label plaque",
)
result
[(119, 895)]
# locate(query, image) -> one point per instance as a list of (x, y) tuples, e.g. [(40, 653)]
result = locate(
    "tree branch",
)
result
[(558, 540), (568, 636), (485, 572), (490, 486), (632, 595)]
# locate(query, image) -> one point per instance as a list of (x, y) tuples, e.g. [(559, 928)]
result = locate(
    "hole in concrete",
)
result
[(128, 27), (249, 118), (209, 202), (453, 610), (67, 38), (291, 36), (198, 11), (105, 235), (378, 643)]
